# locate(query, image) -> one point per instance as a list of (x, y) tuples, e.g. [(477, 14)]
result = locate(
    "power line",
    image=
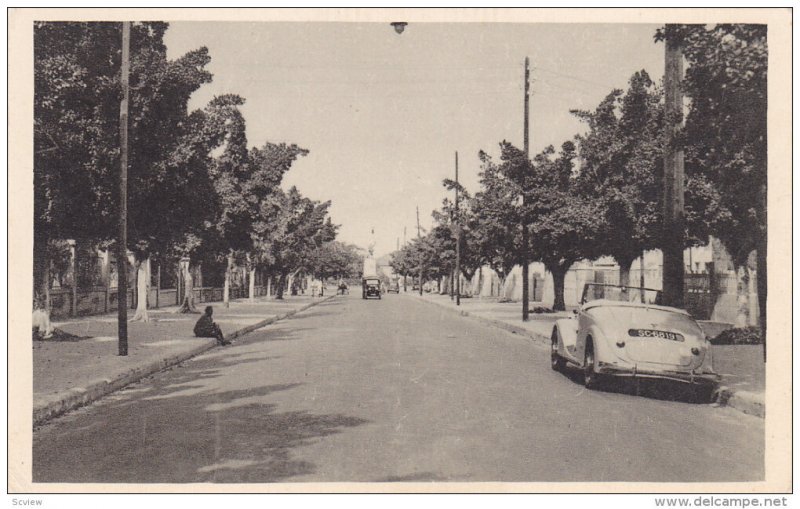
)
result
[(576, 78)]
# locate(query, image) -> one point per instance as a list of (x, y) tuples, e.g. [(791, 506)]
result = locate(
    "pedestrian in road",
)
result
[(206, 328)]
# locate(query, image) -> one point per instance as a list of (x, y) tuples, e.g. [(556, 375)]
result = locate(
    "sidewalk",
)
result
[(70, 374), (741, 366)]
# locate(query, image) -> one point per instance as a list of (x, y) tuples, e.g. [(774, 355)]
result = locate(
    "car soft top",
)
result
[(618, 303)]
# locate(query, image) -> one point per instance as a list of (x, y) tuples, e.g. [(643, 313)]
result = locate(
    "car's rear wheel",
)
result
[(590, 376), (556, 361)]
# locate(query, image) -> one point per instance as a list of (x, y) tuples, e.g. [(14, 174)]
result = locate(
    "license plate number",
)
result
[(651, 333)]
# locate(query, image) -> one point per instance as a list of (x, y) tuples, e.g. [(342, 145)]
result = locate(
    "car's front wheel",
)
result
[(590, 376)]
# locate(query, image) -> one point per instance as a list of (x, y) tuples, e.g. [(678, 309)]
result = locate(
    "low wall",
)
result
[(100, 300), (706, 297)]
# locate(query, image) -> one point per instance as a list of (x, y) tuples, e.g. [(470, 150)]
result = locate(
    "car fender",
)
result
[(567, 334), (602, 348)]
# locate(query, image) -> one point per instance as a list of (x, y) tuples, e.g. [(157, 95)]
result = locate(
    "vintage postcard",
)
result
[(400, 250)]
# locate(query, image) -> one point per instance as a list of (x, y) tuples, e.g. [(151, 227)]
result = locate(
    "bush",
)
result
[(739, 336), (540, 309)]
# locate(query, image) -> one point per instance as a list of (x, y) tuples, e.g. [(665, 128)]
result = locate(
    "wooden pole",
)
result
[(458, 243), (525, 240), (122, 241), (419, 237), (673, 241)]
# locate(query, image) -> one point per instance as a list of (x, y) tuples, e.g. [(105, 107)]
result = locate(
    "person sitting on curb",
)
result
[(206, 328)]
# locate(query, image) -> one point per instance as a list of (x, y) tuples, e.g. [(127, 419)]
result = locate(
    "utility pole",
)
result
[(419, 237), (122, 241), (458, 243), (673, 241), (405, 273), (525, 240)]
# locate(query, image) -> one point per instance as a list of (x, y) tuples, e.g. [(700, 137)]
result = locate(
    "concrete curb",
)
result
[(71, 399), (514, 329), (747, 402)]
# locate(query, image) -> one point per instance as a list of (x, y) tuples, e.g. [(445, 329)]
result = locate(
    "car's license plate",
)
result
[(651, 333)]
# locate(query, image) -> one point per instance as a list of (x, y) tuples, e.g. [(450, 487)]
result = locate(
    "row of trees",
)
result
[(601, 193), (196, 190)]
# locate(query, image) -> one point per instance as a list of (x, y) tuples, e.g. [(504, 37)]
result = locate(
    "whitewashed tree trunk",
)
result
[(269, 286), (41, 321), (226, 292), (187, 306), (251, 290), (142, 289), (743, 296)]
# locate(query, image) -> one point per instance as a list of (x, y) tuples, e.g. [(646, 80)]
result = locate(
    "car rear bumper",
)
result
[(689, 377)]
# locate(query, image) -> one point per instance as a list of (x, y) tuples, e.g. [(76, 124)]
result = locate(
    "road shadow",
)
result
[(270, 333), (664, 390), (183, 427)]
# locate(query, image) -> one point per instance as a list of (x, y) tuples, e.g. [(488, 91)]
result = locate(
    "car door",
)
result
[(584, 323)]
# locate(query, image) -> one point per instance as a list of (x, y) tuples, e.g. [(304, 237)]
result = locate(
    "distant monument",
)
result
[(370, 265)]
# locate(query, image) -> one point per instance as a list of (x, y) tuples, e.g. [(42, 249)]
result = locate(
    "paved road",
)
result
[(389, 390)]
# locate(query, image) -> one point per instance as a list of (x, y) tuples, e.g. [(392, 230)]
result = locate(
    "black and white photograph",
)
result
[(405, 250)]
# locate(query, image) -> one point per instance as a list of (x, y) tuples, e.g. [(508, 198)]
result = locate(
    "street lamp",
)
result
[(399, 26)]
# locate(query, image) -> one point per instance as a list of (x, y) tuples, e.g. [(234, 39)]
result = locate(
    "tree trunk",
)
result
[(743, 295), (41, 285), (142, 289), (41, 272), (73, 268), (625, 273), (188, 293), (558, 289), (226, 292), (280, 287), (761, 268), (251, 290), (761, 282), (269, 286)]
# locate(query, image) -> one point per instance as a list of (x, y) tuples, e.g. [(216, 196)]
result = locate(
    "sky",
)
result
[(383, 114)]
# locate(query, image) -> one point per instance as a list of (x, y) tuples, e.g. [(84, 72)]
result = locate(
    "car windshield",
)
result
[(595, 291), (373, 281)]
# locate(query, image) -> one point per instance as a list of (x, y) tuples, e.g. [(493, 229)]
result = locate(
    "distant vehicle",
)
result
[(394, 287), (621, 331), (370, 287)]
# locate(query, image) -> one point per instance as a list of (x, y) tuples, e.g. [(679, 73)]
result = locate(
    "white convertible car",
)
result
[(622, 332)]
